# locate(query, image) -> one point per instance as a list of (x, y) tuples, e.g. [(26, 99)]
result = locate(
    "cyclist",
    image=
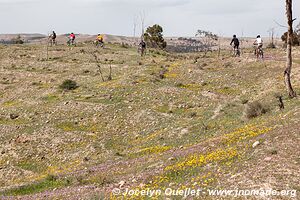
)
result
[(71, 39), (236, 45), (142, 47), (52, 38), (258, 43), (99, 40)]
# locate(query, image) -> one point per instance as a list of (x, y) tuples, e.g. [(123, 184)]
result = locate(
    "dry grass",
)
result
[(183, 129)]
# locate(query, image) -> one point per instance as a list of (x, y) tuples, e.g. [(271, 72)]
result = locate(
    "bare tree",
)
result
[(135, 23), (98, 65), (242, 42), (288, 70), (271, 32), (219, 46), (47, 50), (47, 47), (208, 40), (142, 18), (219, 38)]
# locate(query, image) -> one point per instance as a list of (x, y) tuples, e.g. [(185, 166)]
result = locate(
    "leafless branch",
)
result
[(98, 65), (280, 24)]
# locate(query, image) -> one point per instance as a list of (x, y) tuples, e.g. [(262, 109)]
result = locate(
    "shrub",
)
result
[(179, 85), (154, 37), (295, 39), (244, 101), (271, 46), (17, 40), (68, 85), (255, 109), (124, 45)]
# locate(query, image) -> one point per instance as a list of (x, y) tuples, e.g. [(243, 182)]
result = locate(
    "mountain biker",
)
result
[(71, 39), (236, 44), (258, 43), (52, 38), (100, 40), (142, 47)]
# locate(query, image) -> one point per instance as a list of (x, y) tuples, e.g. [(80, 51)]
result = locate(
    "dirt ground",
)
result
[(164, 120)]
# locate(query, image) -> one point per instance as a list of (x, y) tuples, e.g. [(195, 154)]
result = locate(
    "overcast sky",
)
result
[(177, 17)]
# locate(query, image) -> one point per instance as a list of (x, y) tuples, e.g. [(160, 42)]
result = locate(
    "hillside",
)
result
[(165, 120), (175, 44)]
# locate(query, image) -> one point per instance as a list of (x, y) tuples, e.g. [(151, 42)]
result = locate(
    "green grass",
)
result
[(71, 126), (32, 166), (51, 98), (296, 61), (50, 182), (19, 121)]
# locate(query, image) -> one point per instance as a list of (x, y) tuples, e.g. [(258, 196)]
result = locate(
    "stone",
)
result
[(171, 159), (255, 144), (13, 116), (268, 159)]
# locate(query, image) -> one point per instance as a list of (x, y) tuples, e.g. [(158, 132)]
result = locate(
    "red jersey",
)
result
[(72, 36)]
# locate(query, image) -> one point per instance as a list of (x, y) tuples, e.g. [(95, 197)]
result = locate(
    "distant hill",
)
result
[(37, 38), (175, 44), (25, 37)]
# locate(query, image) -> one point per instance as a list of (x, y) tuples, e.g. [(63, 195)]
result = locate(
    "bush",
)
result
[(68, 85), (295, 39), (124, 45), (17, 40), (154, 37), (271, 46), (254, 109)]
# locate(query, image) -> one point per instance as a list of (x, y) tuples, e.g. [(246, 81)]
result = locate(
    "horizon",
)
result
[(89, 34)]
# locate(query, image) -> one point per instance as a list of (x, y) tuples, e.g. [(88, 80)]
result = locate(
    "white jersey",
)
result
[(259, 41)]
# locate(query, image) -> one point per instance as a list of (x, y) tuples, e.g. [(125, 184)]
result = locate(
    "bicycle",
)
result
[(98, 44), (259, 53), (236, 52), (141, 51), (71, 42), (52, 41)]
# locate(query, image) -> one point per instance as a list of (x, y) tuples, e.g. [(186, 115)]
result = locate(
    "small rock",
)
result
[(86, 159), (256, 144), (13, 116), (184, 131), (134, 181), (268, 159), (171, 159)]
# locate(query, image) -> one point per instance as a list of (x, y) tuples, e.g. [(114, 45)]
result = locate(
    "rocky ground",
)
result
[(165, 120)]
